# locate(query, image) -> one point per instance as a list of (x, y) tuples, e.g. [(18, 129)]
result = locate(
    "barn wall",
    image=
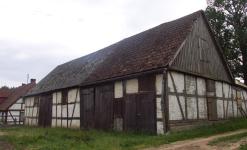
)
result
[(16, 113), (188, 99), (66, 115), (31, 111), (159, 114), (199, 55)]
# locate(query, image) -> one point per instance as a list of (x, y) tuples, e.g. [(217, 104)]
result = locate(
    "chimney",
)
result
[(33, 81)]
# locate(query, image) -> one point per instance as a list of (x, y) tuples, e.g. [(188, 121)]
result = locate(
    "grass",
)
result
[(243, 147), (59, 139), (228, 139)]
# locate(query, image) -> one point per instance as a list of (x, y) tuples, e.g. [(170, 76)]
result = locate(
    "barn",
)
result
[(12, 107), (169, 76)]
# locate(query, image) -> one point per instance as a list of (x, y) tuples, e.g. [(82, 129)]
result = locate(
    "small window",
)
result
[(64, 97)]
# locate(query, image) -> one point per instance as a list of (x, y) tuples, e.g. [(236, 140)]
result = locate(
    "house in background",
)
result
[(169, 76), (12, 106)]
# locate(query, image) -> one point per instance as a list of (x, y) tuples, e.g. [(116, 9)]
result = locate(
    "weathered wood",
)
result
[(211, 100), (146, 83), (45, 112), (164, 102), (87, 107), (175, 89), (139, 112), (200, 55), (197, 100), (104, 96)]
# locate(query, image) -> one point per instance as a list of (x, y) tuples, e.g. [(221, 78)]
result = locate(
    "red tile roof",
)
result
[(14, 95)]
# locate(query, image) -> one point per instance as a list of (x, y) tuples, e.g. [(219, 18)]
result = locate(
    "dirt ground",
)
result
[(202, 143)]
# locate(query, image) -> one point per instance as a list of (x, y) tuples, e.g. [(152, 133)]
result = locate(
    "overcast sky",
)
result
[(38, 35)]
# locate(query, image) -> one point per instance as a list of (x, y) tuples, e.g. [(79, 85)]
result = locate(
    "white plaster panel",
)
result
[(225, 106), (202, 105), (132, 86), (15, 106), (37, 111), (31, 102), (226, 90), (178, 80), (190, 84), (75, 124), (201, 86), (54, 96), (220, 109), (158, 84), (20, 101), (118, 89), (174, 110), (158, 108), (160, 127), (54, 111), (53, 123), (77, 110), (30, 112), (218, 86), (26, 111), (64, 110), (244, 105), (70, 111), (58, 110), (191, 108), (58, 122), (73, 95), (59, 97), (230, 111), (64, 123)]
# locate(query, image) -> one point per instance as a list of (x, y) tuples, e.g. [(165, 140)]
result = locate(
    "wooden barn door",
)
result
[(211, 100), (87, 108), (104, 96), (45, 111), (140, 112)]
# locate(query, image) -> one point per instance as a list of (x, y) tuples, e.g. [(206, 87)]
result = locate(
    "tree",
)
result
[(228, 19)]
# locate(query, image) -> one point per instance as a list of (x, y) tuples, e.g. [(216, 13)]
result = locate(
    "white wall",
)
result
[(192, 86), (60, 112)]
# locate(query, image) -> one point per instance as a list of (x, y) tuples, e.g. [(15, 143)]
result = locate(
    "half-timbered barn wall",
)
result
[(31, 111), (190, 100), (66, 108), (15, 113)]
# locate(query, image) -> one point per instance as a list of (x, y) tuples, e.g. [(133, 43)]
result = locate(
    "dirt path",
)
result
[(202, 143)]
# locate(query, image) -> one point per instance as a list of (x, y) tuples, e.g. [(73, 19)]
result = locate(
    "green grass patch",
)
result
[(243, 147), (59, 139), (228, 139)]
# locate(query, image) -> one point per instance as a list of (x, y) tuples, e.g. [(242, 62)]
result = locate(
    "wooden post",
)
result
[(6, 117), (164, 102)]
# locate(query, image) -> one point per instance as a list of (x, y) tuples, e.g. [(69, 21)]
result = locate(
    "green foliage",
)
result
[(243, 147), (59, 139), (231, 138), (228, 19)]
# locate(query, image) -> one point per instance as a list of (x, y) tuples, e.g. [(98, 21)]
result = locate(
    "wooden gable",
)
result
[(200, 55)]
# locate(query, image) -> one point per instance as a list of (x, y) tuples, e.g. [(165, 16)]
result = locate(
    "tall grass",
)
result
[(59, 139)]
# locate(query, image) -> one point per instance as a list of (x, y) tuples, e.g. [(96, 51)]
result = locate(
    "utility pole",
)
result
[(27, 78)]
